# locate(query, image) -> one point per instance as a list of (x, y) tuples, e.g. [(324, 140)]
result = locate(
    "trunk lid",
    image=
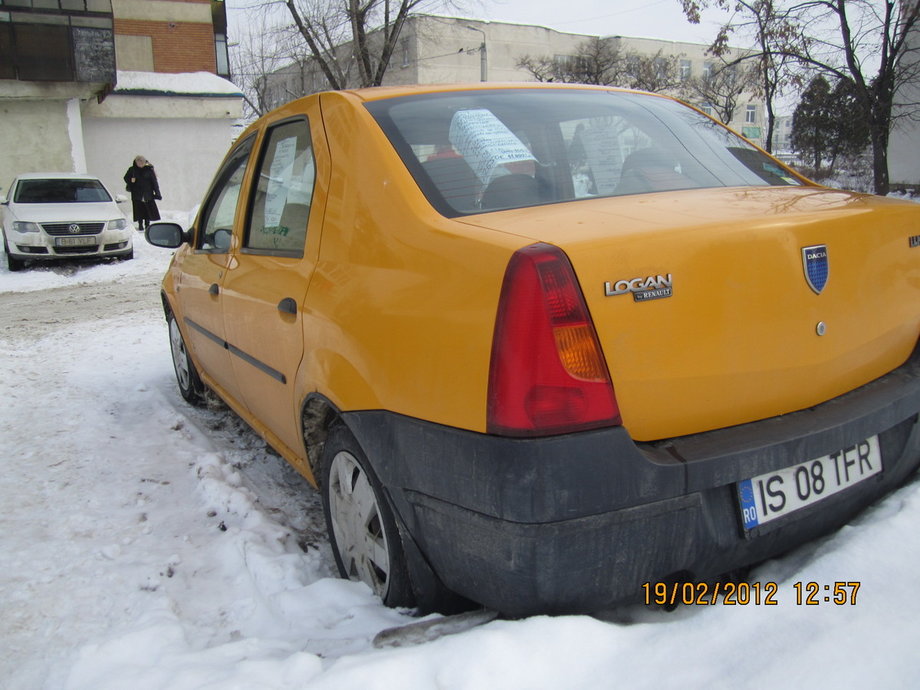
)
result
[(735, 332)]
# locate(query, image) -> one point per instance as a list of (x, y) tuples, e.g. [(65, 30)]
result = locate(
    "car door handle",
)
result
[(287, 306), (214, 289)]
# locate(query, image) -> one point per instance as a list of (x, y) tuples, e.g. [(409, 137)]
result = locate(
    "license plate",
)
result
[(775, 494), (81, 241)]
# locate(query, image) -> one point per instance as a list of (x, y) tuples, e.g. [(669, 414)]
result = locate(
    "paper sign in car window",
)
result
[(279, 179), (604, 155), (485, 142)]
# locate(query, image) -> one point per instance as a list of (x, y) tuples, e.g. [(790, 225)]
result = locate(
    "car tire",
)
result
[(190, 385), (362, 530), (127, 257), (12, 263)]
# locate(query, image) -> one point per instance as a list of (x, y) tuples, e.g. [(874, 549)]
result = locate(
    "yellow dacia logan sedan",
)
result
[(539, 345)]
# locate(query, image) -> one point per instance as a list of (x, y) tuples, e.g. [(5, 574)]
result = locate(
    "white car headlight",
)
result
[(20, 226), (118, 224)]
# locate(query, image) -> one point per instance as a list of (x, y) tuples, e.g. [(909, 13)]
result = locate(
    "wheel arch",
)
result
[(317, 416), (167, 307)]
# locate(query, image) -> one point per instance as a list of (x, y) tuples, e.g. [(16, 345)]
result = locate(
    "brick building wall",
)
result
[(170, 36), (177, 46)]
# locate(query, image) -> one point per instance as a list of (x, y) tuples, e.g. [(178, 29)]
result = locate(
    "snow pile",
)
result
[(191, 83)]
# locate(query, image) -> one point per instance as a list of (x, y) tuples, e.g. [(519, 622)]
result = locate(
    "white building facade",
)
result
[(434, 49), (67, 104), (904, 141)]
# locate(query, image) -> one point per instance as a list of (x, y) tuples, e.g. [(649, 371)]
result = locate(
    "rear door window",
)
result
[(283, 192)]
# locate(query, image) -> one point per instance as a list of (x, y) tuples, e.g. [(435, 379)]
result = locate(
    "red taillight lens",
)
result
[(548, 375)]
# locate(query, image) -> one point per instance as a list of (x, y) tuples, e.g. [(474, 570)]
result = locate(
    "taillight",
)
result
[(548, 374)]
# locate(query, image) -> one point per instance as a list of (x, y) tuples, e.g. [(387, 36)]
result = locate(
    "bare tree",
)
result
[(263, 50), (722, 88), (596, 61), (772, 28), (657, 73), (862, 41), (602, 61), (543, 68), (352, 41)]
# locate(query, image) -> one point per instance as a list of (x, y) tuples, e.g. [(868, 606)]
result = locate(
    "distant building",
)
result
[(782, 135), (434, 49), (904, 141), (70, 100)]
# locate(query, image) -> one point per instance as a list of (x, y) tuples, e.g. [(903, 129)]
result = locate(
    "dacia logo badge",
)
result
[(814, 259), (73, 229)]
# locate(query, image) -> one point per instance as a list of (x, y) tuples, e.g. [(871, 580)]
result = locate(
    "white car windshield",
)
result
[(59, 191), (486, 150)]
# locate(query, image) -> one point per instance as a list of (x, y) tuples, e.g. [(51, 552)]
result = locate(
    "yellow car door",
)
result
[(263, 291)]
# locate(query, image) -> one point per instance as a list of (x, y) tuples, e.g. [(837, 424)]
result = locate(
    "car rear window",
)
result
[(52, 191), (478, 151)]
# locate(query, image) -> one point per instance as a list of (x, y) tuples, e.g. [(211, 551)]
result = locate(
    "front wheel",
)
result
[(12, 263), (190, 385), (362, 529)]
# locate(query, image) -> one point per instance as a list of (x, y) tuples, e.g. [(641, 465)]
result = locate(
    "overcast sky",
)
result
[(639, 18), (662, 19)]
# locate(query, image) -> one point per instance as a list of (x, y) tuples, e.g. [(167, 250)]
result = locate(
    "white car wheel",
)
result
[(362, 529)]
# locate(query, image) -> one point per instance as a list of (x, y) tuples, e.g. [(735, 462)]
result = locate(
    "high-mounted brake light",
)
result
[(548, 374)]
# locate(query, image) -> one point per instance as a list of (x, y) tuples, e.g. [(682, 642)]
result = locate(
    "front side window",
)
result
[(283, 192), (219, 216), (488, 150)]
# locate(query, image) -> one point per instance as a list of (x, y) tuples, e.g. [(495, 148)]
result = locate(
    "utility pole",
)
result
[(483, 55)]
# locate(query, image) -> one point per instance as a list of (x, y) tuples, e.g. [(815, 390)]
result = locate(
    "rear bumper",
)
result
[(576, 523)]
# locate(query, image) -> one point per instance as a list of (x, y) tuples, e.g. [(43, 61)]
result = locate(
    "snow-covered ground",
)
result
[(147, 544)]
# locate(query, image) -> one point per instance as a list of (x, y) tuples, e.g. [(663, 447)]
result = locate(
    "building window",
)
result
[(44, 52), (686, 70), (707, 70), (707, 108), (750, 114), (223, 58), (404, 44)]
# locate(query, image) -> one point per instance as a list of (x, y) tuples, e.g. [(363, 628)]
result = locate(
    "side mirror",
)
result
[(167, 235), (120, 198), (222, 239)]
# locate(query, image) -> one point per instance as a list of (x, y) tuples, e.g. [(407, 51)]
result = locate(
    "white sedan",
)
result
[(48, 216)]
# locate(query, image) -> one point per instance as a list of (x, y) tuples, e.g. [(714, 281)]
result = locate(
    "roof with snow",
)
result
[(197, 84)]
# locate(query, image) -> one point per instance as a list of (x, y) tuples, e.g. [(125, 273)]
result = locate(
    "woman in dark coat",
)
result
[(141, 181)]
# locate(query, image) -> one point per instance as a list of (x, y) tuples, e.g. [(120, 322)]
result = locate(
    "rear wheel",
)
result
[(190, 385), (362, 529)]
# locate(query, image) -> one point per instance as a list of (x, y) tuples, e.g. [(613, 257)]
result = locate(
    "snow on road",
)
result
[(148, 544)]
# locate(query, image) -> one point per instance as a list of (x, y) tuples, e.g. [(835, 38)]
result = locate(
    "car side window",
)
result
[(220, 208), (283, 192)]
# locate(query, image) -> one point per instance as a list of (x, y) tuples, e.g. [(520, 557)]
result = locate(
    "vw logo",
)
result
[(73, 228), (814, 260)]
